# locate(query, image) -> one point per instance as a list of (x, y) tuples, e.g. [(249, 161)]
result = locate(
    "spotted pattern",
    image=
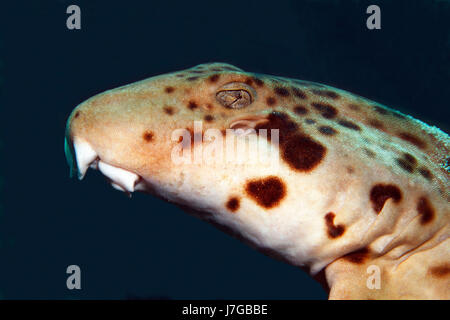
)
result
[(326, 110), (330, 121)]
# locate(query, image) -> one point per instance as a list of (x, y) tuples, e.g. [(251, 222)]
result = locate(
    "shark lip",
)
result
[(81, 156)]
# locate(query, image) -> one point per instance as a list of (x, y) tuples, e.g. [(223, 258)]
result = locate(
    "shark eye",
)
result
[(235, 95)]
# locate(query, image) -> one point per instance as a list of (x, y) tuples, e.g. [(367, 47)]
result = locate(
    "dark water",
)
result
[(145, 247)]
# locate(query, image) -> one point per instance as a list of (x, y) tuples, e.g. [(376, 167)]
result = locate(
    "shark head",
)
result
[(311, 174)]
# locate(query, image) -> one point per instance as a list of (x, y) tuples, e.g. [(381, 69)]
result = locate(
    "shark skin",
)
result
[(353, 192)]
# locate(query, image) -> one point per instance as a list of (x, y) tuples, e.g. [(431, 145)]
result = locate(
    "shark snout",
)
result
[(82, 142)]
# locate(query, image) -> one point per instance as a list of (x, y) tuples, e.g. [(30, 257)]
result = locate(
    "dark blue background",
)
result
[(144, 247)]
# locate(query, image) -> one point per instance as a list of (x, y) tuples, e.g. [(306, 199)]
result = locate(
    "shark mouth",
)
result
[(86, 157)]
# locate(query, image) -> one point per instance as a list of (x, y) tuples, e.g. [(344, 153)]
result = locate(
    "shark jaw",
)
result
[(81, 156)]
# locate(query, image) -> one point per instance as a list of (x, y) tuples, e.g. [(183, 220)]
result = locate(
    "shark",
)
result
[(344, 188)]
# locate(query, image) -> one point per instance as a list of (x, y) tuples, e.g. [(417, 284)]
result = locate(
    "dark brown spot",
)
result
[(169, 110), (214, 77), (326, 93), (369, 152), (426, 173), (249, 81), (300, 110), (300, 152), (326, 110), (192, 78), (271, 101), (425, 210), (332, 230), (77, 114), (169, 89), (380, 110), (233, 204), (376, 124), (209, 118), (209, 106), (197, 71), (358, 256), (267, 192), (299, 93), (303, 153), (258, 82), (409, 158), (412, 139), (349, 125), (327, 130), (148, 136), (283, 92), (405, 165), (380, 193), (180, 75), (280, 121), (407, 162), (440, 271), (192, 105)]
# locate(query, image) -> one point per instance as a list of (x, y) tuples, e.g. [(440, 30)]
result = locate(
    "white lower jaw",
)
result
[(121, 179)]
